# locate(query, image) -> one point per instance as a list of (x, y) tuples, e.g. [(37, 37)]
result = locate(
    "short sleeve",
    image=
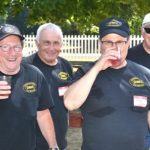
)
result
[(45, 96)]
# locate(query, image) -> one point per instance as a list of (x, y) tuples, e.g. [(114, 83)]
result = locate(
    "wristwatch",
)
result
[(54, 148)]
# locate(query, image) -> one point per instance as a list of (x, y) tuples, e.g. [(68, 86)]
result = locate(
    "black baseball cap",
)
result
[(114, 25), (8, 29)]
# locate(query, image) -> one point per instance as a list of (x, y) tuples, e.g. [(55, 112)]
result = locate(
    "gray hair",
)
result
[(50, 27)]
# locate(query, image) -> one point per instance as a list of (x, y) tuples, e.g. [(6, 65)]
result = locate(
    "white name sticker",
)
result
[(62, 90), (139, 101)]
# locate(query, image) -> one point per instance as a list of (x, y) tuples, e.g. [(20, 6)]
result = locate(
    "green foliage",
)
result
[(76, 16)]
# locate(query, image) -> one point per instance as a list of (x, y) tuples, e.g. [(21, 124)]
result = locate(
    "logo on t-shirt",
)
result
[(30, 87), (63, 75), (136, 82)]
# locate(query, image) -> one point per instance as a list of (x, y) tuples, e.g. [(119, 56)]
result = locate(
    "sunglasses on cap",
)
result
[(147, 30)]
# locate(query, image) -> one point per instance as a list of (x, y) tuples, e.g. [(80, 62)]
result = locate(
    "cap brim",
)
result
[(146, 24), (5, 35), (117, 31)]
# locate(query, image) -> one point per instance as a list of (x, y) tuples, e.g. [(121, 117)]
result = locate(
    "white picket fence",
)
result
[(76, 47)]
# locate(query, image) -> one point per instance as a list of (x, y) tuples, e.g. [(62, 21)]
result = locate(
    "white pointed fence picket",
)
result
[(76, 47)]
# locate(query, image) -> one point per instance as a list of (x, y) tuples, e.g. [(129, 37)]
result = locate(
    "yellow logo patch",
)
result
[(114, 23), (136, 82), (30, 87), (63, 75)]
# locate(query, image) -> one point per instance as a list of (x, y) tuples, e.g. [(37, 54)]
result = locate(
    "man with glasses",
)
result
[(26, 99), (112, 93), (141, 52)]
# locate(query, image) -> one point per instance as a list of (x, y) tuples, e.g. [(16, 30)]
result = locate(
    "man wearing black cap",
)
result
[(25, 100), (112, 93)]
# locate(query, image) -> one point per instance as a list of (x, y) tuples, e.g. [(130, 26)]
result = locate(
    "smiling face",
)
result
[(10, 60), (49, 46)]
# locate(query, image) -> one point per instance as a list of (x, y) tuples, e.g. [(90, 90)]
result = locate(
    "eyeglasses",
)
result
[(110, 43), (6, 48), (147, 30)]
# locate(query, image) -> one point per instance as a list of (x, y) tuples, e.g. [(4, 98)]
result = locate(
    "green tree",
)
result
[(76, 16)]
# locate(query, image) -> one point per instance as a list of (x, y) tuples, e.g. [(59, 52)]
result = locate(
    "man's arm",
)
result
[(46, 126), (78, 92)]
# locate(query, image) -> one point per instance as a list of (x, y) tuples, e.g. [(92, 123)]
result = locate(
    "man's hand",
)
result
[(5, 90)]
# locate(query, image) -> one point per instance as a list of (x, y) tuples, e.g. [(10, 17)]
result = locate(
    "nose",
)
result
[(52, 46), (114, 45), (12, 51)]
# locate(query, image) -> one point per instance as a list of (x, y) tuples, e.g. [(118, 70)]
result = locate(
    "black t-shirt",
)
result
[(29, 94), (115, 112), (59, 78), (139, 55)]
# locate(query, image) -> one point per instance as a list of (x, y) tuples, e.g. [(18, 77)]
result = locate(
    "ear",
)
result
[(142, 31), (36, 43), (61, 43), (99, 44)]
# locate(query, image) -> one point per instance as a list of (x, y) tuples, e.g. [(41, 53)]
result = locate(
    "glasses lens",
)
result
[(147, 30), (6, 48)]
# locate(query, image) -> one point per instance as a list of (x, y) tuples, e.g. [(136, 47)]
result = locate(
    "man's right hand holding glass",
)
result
[(5, 90)]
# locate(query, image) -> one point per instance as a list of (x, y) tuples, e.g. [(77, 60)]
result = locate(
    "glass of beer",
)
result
[(117, 61), (8, 80)]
